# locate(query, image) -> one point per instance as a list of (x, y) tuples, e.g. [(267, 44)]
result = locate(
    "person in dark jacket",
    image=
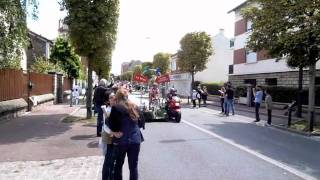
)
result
[(124, 118), (99, 98)]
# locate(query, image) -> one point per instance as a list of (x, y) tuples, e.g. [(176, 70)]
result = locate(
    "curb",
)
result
[(73, 112), (309, 134)]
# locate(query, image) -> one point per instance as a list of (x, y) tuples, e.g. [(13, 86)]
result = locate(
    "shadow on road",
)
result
[(294, 150), (93, 144), (35, 127), (83, 137)]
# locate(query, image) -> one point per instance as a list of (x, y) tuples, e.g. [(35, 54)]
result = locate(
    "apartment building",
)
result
[(218, 63), (258, 68)]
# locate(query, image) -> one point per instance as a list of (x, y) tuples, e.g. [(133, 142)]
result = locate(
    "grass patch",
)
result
[(74, 119), (303, 126)]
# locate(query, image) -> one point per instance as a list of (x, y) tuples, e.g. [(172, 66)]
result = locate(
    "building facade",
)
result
[(128, 66), (179, 80), (39, 46), (258, 68), (218, 64)]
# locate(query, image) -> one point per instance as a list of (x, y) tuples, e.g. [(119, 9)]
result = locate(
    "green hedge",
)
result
[(286, 94), (213, 88)]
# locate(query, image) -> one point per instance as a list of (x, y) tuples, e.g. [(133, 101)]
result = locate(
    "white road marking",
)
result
[(254, 153)]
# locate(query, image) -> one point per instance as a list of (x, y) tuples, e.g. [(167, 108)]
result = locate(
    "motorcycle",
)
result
[(173, 109)]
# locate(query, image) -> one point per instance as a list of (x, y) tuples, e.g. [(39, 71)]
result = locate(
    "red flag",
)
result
[(163, 79), (140, 78)]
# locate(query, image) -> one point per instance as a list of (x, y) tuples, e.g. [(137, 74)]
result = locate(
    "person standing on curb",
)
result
[(194, 98), (268, 102), (99, 98), (230, 97), (258, 95), (125, 118), (222, 92), (106, 135), (205, 96), (199, 95)]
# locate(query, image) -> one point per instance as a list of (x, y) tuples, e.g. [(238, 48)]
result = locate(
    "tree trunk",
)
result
[(192, 80), (312, 75), (299, 98), (89, 91)]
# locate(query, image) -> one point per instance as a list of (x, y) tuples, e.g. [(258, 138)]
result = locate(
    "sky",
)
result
[(147, 27)]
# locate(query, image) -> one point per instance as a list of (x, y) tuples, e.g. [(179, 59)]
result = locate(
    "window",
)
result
[(271, 81), (250, 81), (249, 25), (317, 82), (231, 43), (251, 57), (230, 69)]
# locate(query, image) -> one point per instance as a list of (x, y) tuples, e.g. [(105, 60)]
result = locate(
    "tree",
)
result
[(146, 66), (13, 30), (293, 34), (137, 69), (92, 29), (42, 65), (63, 53), (127, 76), (196, 47), (162, 61)]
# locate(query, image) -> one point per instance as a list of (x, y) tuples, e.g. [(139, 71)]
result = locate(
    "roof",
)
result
[(238, 7), (40, 37)]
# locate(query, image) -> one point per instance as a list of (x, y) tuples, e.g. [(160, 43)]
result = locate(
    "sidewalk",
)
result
[(38, 146)]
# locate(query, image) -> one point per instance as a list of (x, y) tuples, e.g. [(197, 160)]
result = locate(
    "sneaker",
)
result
[(267, 124), (256, 121)]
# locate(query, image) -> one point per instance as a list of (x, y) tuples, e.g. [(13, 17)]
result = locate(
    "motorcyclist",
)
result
[(172, 93)]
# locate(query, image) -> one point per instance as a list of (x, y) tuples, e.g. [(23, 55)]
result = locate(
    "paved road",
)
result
[(207, 146)]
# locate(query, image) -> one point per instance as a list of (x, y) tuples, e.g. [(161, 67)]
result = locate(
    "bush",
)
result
[(287, 94), (241, 91), (213, 88)]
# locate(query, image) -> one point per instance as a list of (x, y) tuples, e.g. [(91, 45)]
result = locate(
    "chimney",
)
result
[(221, 31)]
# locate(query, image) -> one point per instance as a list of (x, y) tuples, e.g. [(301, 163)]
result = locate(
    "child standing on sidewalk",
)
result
[(194, 98), (268, 102)]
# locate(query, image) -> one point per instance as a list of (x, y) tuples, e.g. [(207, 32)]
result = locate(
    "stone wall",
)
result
[(286, 79)]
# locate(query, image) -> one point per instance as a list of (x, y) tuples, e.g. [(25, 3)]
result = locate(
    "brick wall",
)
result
[(239, 56), (240, 27)]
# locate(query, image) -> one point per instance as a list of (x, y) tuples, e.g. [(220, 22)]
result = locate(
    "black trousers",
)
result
[(194, 103), (222, 104), (120, 152), (108, 164), (269, 116), (257, 107), (199, 100)]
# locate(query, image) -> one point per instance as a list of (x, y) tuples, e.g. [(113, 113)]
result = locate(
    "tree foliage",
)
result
[(286, 29), (42, 65), (290, 30), (127, 76), (161, 60), (137, 69), (92, 28), (196, 47), (63, 53), (13, 30), (146, 66)]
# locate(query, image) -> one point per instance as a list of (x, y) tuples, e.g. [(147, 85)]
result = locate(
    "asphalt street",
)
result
[(206, 145)]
